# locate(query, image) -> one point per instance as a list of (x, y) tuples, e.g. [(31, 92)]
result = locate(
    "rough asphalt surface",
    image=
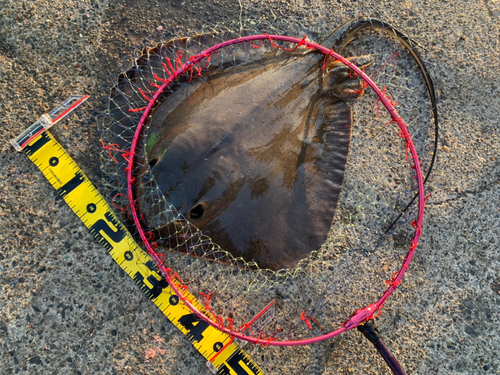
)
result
[(67, 308)]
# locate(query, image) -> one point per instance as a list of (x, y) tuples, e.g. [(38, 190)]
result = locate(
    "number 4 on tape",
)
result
[(224, 356)]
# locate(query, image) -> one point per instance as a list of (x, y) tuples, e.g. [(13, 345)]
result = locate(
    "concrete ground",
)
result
[(66, 307)]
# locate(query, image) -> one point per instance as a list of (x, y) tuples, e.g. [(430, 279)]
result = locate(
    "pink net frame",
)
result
[(194, 66)]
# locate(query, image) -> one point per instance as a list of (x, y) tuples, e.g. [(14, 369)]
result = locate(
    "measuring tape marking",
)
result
[(87, 203)]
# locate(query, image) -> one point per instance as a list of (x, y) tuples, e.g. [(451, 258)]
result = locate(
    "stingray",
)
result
[(253, 152)]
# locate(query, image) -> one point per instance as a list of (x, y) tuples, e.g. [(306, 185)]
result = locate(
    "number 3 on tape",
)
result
[(224, 356)]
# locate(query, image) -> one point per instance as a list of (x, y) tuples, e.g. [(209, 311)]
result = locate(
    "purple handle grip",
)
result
[(389, 358), (370, 331)]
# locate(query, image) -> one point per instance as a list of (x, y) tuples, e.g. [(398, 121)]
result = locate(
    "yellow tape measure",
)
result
[(224, 355)]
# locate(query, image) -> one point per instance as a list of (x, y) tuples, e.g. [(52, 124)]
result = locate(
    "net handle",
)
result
[(360, 315)]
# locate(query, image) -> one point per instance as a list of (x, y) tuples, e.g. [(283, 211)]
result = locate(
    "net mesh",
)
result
[(372, 229)]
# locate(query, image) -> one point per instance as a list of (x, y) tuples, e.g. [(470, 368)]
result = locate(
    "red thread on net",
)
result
[(179, 65), (150, 236), (364, 85), (261, 337), (175, 279), (268, 340), (427, 198), (406, 136), (230, 323), (131, 208), (154, 84), (113, 201), (379, 311), (175, 276), (126, 155), (244, 327), (219, 320), (130, 215), (395, 55), (254, 45), (303, 42), (174, 72), (389, 99), (326, 60), (145, 96), (199, 69), (159, 78), (388, 122), (308, 319), (137, 109), (111, 147), (392, 282), (206, 300)]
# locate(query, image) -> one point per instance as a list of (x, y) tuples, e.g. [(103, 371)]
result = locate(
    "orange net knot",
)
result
[(308, 319)]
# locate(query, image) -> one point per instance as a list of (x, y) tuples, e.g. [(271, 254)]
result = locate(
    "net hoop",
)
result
[(359, 316)]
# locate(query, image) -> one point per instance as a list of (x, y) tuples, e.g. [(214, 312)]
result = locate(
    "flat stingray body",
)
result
[(252, 152), (254, 155)]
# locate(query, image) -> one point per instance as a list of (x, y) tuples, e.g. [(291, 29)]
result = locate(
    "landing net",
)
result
[(375, 230)]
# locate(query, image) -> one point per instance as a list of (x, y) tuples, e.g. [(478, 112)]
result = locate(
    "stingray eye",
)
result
[(153, 162), (196, 212)]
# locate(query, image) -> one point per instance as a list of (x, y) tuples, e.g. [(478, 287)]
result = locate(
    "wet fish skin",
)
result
[(255, 156)]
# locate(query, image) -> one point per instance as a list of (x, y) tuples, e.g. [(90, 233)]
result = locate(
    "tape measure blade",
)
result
[(95, 213)]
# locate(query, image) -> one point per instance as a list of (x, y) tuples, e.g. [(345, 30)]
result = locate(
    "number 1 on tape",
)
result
[(224, 356)]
